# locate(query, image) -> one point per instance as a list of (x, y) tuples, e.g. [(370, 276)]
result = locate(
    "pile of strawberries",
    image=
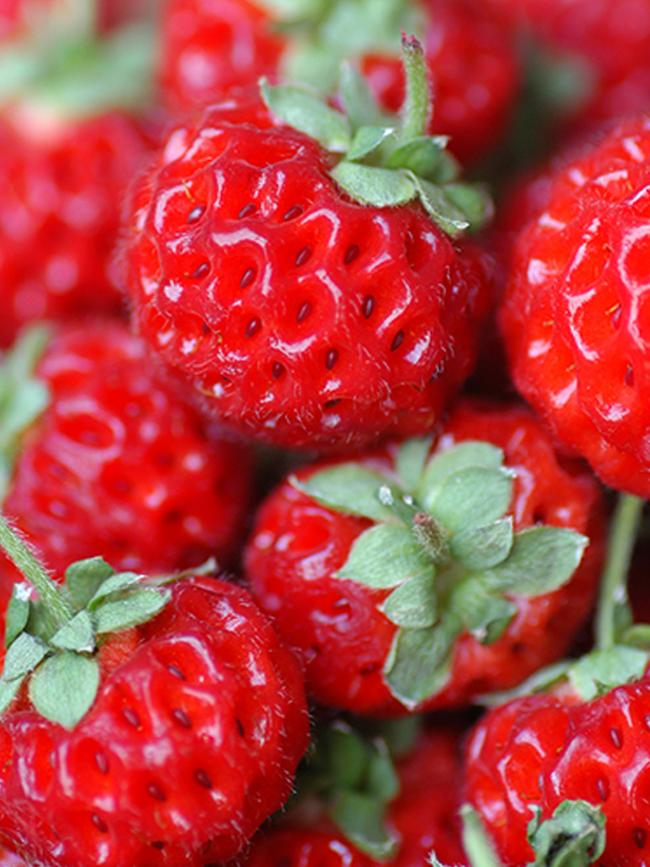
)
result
[(324, 433)]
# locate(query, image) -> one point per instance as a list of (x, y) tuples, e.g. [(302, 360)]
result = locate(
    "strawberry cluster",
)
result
[(324, 440)]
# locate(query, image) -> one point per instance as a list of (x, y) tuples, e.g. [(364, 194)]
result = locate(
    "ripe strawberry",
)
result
[(422, 816), (310, 300), (99, 454), (209, 48), (573, 315), (68, 152), (398, 579), (160, 726)]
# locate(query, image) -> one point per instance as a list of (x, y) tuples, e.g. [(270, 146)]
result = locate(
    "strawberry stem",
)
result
[(613, 588), (33, 570), (417, 103)]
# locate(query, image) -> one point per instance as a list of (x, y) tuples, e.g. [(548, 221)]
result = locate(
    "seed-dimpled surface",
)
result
[(299, 316)]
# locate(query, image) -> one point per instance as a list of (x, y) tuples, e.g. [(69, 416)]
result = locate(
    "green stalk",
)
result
[(613, 588), (417, 104), (34, 571)]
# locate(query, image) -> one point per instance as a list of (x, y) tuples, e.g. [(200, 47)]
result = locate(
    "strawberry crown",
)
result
[(385, 161), (61, 64), (573, 837), (23, 397), (52, 642), (443, 543)]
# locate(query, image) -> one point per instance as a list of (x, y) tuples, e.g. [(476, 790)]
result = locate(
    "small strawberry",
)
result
[(584, 734), (424, 793), (209, 48), (434, 570), (99, 454), (310, 296), (69, 148), (573, 316), (142, 724)]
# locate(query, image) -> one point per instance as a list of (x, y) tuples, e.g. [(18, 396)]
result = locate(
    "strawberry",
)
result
[(100, 454), (421, 816), (68, 151), (209, 48), (398, 579), (573, 314), (310, 300), (142, 723)]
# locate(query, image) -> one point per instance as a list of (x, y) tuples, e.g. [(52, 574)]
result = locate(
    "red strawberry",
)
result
[(167, 745), (9, 859), (210, 47), (99, 454), (422, 816), (391, 636), (68, 152), (300, 315), (573, 316)]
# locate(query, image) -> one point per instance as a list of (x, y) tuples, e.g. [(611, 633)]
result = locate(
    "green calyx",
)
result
[(23, 397), (52, 642), (62, 66), (354, 776), (573, 837), (443, 543), (385, 161)]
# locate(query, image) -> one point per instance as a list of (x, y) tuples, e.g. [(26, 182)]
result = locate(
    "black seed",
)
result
[(202, 779), (640, 837), (603, 788), (330, 404), (173, 516), (331, 358), (253, 327), (131, 717), (99, 823), (303, 256), (246, 211), (293, 212), (240, 727), (351, 254), (617, 737), (369, 669), (102, 762), (616, 317), (629, 376), (201, 270), (176, 672), (277, 370), (368, 306), (182, 718), (247, 278), (158, 844), (397, 341), (195, 214), (205, 328), (156, 792), (303, 313)]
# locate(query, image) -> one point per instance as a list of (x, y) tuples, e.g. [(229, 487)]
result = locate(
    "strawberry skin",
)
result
[(209, 48), (302, 847), (191, 743), (59, 213), (298, 546), (573, 316), (299, 316), (119, 465), (544, 749)]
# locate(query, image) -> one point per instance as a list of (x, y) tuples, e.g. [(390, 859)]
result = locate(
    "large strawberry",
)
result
[(143, 724), (583, 734), (574, 317), (307, 291), (387, 814), (211, 47), (98, 454), (434, 570), (69, 148)]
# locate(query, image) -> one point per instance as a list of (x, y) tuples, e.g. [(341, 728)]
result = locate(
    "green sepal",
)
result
[(413, 605), (471, 453), (410, 461), (348, 488), (483, 547), (367, 140), (419, 662), (84, 578), (375, 186), (385, 556), (8, 692), (113, 585), (574, 836), (77, 634), (486, 615), (425, 156), (476, 841), (471, 497), (133, 609), (441, 209), (602, 670), (306, 112), (64, 687), (25, 653), (358, 101), (18, 611), (361, 819)]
